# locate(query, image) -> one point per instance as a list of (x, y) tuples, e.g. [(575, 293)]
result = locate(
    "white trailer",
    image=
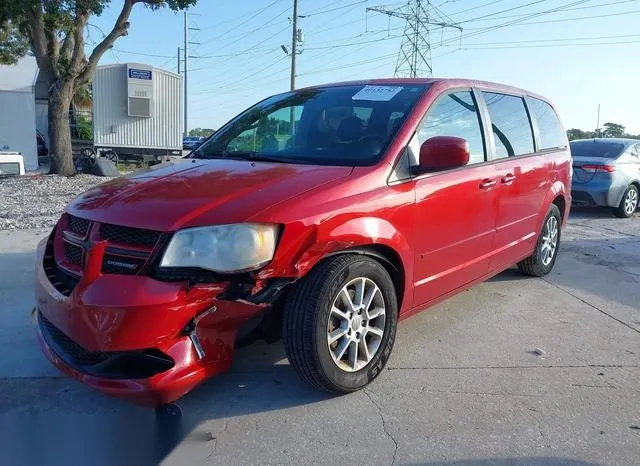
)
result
[(18, 115), (137, 112)]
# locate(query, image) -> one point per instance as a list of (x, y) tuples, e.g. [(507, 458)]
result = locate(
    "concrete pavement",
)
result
[(464, 383)]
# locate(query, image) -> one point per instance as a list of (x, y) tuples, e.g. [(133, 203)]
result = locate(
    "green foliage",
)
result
[(611, 130), (13, 44), (84, 128), (58, 19), (575, 133), (201, 132)]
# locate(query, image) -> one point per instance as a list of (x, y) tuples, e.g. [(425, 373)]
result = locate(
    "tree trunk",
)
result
[(60, 97)]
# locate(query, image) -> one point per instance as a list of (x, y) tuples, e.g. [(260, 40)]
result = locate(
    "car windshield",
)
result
[(592, 148), (346, 125)]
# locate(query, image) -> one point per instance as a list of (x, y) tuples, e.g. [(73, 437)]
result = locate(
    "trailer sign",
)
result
[(140, 74)]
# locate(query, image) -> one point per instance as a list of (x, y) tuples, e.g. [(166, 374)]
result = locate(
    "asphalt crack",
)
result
[(384, 424), (527, 366), (465, 392), (214, 439), (591, 305)]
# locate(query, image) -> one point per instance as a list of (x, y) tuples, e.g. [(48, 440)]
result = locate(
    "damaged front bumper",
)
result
[(137, 338)]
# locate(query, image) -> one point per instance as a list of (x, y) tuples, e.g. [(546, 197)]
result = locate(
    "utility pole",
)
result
[(598, 123), (294, 44), (185, 51), (414, 58), (186, 63)]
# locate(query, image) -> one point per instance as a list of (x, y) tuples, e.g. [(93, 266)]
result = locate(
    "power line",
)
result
[(352, 44), (234, 28), (515, 21), (474, 8), (551, 45), (570, 19), (504, 11), (568, 39), (567, 9), (316, 13), (244, 34), (350, 65)]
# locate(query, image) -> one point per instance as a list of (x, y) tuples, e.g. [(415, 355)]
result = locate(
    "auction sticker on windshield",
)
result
[(377, 93)]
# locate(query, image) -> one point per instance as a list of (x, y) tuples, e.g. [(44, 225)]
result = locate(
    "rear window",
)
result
[(592, 148), (551, 133)]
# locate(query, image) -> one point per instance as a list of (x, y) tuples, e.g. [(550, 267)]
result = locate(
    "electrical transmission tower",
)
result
[(414, 58)]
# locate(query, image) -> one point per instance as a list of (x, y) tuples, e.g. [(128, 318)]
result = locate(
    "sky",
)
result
[(578, 53)]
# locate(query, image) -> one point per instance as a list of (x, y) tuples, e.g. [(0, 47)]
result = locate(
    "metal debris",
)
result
[(539, 352)]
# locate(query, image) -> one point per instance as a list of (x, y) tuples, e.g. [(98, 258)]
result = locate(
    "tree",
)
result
[(54, 31), (201, 132), (575, 133), (613, 130)]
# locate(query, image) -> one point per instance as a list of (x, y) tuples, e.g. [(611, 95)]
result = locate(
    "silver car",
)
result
[(606, 173)]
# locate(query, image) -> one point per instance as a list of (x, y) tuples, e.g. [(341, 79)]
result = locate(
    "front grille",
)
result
[(73, 253), (79, 226), (61, 280), (126, 235), (121, 265), (71, 348)]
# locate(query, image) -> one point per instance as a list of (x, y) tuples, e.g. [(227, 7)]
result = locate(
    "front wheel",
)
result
[(340, 323), (544, 256), (628, 204)]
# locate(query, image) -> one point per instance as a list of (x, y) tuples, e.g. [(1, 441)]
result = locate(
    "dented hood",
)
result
[(192, 192)]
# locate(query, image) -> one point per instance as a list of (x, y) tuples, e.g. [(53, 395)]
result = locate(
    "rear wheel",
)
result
[(340, 323), (628, 204), (543, 259)]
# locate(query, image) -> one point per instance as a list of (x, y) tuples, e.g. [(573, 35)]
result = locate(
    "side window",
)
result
[(510, 124), (551, 134), (456, 115)]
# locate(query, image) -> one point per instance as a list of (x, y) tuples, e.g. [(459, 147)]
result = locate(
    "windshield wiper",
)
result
[(198, 154), (254, 156)]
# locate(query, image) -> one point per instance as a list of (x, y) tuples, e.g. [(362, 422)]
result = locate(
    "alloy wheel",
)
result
[(631, 202), (356, 324), (549, 241)]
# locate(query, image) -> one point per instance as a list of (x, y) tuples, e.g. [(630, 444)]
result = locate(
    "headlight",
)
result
[(225, 248)]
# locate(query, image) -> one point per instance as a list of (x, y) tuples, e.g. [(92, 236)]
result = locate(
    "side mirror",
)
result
[(443, 153)]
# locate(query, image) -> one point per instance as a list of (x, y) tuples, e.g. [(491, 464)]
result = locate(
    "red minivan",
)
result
[(322, 216)]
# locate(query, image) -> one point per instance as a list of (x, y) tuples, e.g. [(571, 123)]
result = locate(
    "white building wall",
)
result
[(18, 126)]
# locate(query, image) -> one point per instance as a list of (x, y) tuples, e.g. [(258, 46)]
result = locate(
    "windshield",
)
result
[(594, 148), (348, 125)]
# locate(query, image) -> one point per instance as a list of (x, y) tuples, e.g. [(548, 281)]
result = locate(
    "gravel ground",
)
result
[(37, 201)]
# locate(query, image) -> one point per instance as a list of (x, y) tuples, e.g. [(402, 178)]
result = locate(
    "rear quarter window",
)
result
[(549, 128)]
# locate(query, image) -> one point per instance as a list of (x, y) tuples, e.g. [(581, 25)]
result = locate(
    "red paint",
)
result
[(443, 152), (449, 229)]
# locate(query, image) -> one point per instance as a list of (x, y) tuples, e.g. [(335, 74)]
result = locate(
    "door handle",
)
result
[(487, 183), (508, 179)]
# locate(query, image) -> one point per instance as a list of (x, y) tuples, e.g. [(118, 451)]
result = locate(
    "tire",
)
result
[(628, 204), (309, 316), (538, 264)]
